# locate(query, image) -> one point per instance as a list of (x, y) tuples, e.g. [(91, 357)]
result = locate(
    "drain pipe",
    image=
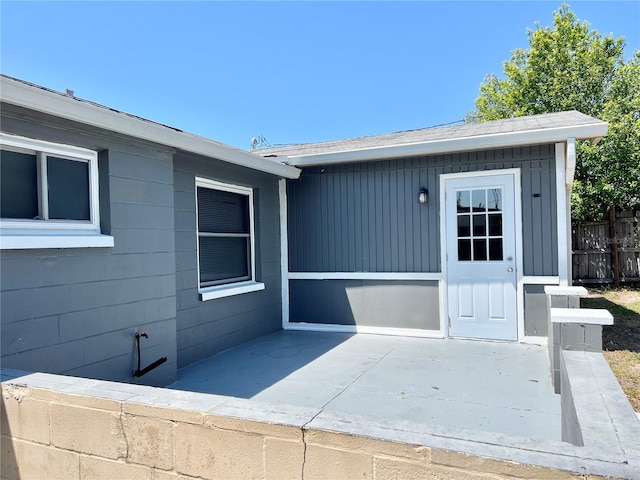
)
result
[(140, 372)]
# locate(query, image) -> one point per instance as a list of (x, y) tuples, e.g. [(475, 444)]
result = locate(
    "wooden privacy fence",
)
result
[(595, 249)]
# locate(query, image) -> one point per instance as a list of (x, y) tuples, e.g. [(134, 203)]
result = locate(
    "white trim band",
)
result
[(22, 242), (228, 290), (364, 276), (331, 327)]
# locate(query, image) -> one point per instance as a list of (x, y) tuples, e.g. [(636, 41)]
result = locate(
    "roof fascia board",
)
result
[(480, 142), (41, 100)]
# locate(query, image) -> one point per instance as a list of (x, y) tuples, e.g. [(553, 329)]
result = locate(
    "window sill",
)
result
[(229, 290), (22, 241)]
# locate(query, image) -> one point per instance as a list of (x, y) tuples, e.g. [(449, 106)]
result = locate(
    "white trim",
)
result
[(517, 193), (51, 240), (561, 209), (571, 162), (53, 103), (284, 251), (364, 276), (540, 280), (566, 291), (229, 289), (431, 147), (581, 316), (217, 291), (43, 149), (329, 327), (444, 284)]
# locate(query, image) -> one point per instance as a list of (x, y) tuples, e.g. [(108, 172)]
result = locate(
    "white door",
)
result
[(480, 255)]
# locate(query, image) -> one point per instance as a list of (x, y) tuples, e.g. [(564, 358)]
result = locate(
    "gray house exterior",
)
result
[(115, 226), (365, 256), (73, 300)]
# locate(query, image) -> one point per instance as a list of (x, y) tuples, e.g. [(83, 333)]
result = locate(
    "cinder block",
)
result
[(127, 190), (9, 456), (151, 166), (149, 441), (29, 334), (593, 338), (97, 432), (42, 462), (283, 459), (24, 417), (368, 445), (573, 302), (572, 336), (141, 406), (249, 426), (160, 475), (394, 469), (501, 468), (211, 453), (103, 469), (129, 215), (323, 463)]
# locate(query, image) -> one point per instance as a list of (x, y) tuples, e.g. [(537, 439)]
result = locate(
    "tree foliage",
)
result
[(572, 67)]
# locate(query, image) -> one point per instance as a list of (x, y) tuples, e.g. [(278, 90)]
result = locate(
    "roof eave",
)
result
[(38, 99), (481, 142)]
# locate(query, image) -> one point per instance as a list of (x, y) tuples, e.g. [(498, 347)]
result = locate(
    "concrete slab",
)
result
[(501, 388)]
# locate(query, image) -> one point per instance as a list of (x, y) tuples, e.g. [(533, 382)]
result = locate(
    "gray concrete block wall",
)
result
[(75, 311), (206, 328)]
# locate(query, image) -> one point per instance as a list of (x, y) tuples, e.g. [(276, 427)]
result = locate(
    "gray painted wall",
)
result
[(377, 303), (206, 328), (75, 311), (535, 311), (363, 217)]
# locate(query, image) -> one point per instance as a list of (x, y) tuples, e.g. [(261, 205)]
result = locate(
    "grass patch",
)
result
[(621, 341)]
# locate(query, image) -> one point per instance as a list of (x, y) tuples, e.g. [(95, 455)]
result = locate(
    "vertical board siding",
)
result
[(364, 217)]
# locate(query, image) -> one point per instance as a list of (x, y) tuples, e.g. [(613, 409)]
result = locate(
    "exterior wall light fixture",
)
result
[(423, 195)]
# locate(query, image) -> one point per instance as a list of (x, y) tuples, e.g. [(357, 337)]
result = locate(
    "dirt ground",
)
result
[(621, 341)]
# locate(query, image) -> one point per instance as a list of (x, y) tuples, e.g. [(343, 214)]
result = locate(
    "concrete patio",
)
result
[(491, 387)]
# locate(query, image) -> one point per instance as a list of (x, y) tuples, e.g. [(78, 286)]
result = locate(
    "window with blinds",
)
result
[(225, 236)]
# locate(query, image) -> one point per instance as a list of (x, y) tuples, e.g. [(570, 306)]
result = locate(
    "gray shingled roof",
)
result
[(509, 125)]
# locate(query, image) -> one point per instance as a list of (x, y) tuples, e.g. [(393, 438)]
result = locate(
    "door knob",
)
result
[(510, 270)]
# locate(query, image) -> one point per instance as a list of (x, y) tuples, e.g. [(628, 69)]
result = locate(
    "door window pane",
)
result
[(464, 229), (479, 249), (68, 182), (18, 185), (479, 225), (464, 250), (462, 201), (494, 199), (479, 200), (495, 225), (495, 249)]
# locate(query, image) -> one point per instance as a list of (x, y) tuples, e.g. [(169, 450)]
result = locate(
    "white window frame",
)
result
[(238, 287), (27, 233)]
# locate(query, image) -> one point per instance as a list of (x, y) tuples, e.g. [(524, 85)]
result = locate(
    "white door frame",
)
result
[(517, 203)]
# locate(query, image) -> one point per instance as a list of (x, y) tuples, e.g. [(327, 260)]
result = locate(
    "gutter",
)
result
[(43, 100), (480, 142)]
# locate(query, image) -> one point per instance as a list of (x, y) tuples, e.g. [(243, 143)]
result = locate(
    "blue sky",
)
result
[(291, 71)]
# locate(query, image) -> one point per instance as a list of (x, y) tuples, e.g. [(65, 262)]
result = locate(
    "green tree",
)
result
[(572, 67)]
